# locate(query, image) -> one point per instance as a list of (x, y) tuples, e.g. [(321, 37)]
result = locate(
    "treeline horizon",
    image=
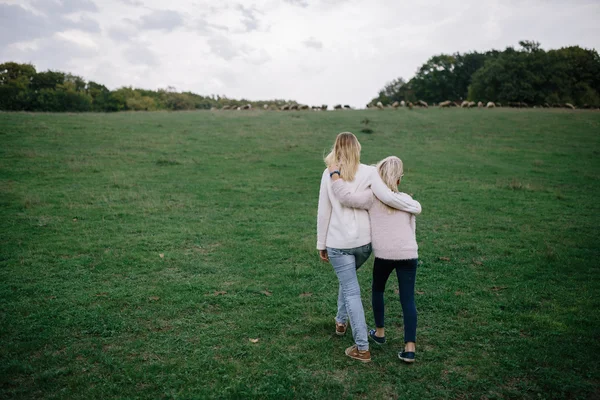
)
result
[(22, 88), (527, 75)]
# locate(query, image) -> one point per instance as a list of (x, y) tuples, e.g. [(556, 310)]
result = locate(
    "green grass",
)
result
[(508, 288)]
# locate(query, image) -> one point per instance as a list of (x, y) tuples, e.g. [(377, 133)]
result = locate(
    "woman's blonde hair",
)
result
[(391, 171), (346, 154)]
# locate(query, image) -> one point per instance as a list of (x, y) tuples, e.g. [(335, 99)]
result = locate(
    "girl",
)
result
[(344, 233), (394, 245)]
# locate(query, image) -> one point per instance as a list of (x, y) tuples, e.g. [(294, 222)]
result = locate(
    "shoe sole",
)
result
[(407, 360), (359, 359), (340, 333), (375, 341)]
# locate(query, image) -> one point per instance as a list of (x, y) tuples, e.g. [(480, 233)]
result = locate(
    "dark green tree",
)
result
[(15, 79)]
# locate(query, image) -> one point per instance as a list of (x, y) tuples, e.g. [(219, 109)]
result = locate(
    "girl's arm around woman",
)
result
[(399, 201), (362, 199)]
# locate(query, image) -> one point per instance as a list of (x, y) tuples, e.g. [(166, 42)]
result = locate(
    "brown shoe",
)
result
[(340, 329), (360, 355)]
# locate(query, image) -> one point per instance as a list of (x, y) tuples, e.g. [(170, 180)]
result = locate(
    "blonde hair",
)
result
[(346, 154), (391, 171)]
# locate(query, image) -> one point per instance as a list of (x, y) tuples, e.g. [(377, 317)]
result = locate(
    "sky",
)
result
[(312, 51)]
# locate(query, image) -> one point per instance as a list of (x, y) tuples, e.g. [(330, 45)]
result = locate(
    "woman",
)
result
[(395, 248), (344, 234)]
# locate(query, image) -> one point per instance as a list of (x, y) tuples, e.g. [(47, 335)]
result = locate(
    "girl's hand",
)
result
[(333, 167)]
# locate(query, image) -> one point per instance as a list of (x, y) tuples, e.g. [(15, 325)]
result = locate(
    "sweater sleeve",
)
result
[(399, 201), (323, 214), (362, 199)]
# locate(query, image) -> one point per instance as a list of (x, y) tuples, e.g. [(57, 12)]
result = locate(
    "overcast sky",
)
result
[(312, 51)]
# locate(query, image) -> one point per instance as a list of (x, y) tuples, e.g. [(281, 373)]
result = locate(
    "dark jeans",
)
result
[(406, 271)]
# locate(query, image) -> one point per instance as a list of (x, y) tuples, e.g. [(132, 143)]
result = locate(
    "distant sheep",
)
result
[(395, 104), (226, 107), (464, 104), (337, 107), (445, 104), (285, 107), (421, 103), (266, 107), (346, 106), (379, 105), (569, 105), (247, 107), (294, 107), (472, 104), (480, 104), (324, 107), (303, 107), (410, 105), (402, 103), (490, 105)]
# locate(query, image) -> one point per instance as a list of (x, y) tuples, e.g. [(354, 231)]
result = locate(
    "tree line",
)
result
[(22, 88), (528, 75)]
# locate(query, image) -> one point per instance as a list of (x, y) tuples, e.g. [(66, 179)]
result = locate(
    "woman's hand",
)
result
[(323, 255)]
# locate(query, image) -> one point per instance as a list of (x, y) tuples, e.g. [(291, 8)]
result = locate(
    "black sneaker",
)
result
[(376, 339), (407, 356)]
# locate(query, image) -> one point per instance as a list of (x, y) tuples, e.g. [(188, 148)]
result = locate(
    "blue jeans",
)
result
[(406, 271), (345, 262)]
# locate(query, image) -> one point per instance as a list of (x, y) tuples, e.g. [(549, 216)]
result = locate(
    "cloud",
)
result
[(257, 56), (78, 38), (58, 52), (223, 47), (166, 20), (313, 43), (249, 19), (122, 33), (20, 25), (300, 3), (133, 3), (84, 23), (138, 54), (64, 6), (203, 27)]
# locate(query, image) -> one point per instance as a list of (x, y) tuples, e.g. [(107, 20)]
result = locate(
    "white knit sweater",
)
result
[(393, 231), (344, 227)]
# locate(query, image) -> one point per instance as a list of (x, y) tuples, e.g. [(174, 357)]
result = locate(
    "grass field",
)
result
[(140, 253)]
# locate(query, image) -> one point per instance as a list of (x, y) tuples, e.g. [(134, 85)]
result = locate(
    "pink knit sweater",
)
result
[(393, 232)]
